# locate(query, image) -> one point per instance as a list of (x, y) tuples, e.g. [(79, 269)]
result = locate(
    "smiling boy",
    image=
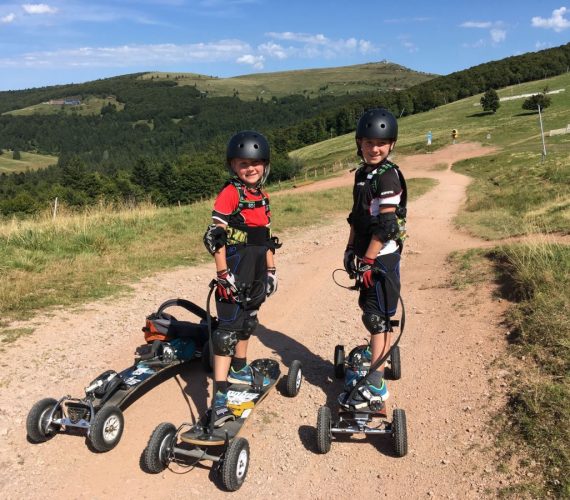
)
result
[(379, 199), (240, 241)]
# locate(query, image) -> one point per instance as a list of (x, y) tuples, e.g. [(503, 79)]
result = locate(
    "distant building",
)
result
[(66, 101)]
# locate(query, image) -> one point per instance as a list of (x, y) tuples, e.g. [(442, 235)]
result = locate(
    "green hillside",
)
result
[(359, 78), (91, 105), (27, 161), (510, 127)]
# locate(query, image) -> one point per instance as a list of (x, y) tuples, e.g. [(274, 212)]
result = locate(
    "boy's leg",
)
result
[(380, 344), (220, 411)]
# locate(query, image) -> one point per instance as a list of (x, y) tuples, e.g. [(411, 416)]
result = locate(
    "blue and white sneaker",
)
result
[(353, 375), (220, 411), (245, 377), (371, 394)]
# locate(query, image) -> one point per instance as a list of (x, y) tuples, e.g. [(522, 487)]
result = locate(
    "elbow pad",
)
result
[(215, 237), (385, 226)]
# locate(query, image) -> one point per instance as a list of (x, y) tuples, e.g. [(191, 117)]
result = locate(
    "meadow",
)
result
[(79, 257), (89, 106), (27, 161), (357, 78)]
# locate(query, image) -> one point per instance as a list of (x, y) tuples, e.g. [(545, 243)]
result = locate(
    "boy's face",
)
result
[(248, 171), (374, 151)]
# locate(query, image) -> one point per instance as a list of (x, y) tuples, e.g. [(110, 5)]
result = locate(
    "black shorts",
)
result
[(382, 298), (249, 266)]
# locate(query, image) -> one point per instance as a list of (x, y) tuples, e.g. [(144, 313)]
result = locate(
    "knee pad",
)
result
[(374, 323), (224, 342), (249, 326)]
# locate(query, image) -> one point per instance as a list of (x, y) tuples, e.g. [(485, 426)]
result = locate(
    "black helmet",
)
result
[(251, 145), (376, 123)]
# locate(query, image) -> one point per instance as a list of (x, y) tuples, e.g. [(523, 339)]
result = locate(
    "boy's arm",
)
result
[(220, 253), (376, 243), (270, 258), (350, 237)]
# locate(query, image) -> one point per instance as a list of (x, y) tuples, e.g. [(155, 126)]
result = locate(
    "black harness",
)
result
[(238, 232), (365, 190)]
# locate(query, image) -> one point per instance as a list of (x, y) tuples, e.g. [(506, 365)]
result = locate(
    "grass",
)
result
[(537, 277), (370, 77), (510, 125), (7, 336), (89, 106), (79, 257), (27, 161)]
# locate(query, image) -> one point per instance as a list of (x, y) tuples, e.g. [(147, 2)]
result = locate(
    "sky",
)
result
[(71, 41)]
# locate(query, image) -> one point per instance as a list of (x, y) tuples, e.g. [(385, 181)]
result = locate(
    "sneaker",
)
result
[(245, 377), (352, 376), (370, 395), (220, 411), (378, 389)]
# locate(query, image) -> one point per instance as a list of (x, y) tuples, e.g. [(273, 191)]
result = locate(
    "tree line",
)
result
[(168, 142)]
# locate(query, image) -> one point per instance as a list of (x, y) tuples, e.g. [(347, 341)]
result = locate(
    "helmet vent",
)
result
[(256, 146), (383, 125)]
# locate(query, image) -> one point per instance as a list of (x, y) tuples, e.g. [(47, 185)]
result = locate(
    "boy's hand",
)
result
[(349, 261), (364, 272), (227, 288), (271, 286)]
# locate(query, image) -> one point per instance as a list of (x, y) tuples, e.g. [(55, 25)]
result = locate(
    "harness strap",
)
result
[(249, 204)]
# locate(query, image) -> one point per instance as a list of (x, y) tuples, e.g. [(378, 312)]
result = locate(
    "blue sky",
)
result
[(70, 41)]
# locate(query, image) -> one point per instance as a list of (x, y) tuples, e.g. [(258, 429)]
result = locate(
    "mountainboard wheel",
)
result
[(324, 435), (107, 428), (235, 464), (395, 370), (339, 358), (294, 379), (37, 425), (399, 432), (156, 455)]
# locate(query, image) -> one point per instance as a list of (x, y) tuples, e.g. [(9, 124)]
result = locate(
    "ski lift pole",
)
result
[(542, 134)]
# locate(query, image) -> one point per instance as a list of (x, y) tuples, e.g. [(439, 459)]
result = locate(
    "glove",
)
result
[(364, 272), (226, 285), (349, 261), (271, 286)]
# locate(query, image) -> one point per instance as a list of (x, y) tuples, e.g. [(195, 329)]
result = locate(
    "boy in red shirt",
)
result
[(240, 241)]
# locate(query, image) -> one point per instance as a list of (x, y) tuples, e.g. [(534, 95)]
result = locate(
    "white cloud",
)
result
[(476, 24), (557, 21), (273, 50), (38, 8), (255, 61), (410, 46), (407, 20), (498, 35), (299, 37), (542, 45), (8, 18), (479, 43), (126, 56), (315, 45)]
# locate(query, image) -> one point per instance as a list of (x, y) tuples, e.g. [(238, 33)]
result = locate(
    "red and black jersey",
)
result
[(238, 206)]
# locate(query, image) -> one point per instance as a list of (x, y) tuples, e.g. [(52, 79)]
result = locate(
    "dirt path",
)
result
[(449, 387)]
